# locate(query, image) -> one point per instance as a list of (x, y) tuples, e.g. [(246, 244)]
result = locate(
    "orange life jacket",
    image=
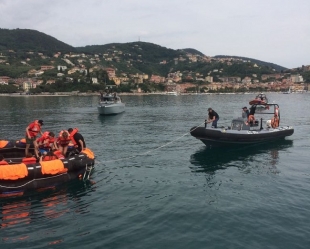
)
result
[(46, 140), (63, 141), (34, 128), (3, 143), (75, 130), (3, 162), (29, 160), (49, 158), (59, 154)]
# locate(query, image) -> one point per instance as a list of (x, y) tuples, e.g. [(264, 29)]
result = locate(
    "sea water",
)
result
[(155, 186)]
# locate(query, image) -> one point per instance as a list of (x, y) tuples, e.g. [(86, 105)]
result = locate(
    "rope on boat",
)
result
[(121, 159), (162, 146)]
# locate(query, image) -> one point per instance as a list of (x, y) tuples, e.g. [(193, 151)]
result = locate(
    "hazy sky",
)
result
[(276, 31)]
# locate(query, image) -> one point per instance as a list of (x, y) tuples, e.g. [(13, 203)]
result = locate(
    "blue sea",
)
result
[(156, 186)]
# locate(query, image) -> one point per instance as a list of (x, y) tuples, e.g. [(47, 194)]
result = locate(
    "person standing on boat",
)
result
[(77, 139), (213, 117), (101, 96), (245, 113), (32, 131)]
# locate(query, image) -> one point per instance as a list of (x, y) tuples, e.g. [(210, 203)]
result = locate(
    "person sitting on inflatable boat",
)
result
[(46, 142), (63, 141)]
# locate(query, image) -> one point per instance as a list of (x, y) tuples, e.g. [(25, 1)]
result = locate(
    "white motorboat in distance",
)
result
[(110, 105), (172, 93)]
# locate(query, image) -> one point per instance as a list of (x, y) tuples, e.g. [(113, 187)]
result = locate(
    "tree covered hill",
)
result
[(258, 62), (31, 40), (133, 57)]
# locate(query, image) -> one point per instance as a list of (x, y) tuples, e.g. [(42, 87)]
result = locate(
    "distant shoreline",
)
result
[(121, 94)]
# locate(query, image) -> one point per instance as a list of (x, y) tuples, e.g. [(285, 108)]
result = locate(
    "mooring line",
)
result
[(147, 152)]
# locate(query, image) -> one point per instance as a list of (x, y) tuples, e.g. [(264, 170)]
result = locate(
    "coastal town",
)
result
[(74, 67)]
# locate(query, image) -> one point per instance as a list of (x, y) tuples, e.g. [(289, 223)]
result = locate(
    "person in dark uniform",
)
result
[(245, 113), (78, 138), (213, 117)]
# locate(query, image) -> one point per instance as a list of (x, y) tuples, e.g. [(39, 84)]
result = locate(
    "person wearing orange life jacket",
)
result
[(46, 142), (32, 131), (2, 161), (77, 139), (63, 141)]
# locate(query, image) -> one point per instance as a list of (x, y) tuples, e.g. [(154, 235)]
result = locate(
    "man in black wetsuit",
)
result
[(78, 138), (213, 117)]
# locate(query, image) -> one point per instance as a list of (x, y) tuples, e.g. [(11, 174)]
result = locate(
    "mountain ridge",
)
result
[(33, 40)]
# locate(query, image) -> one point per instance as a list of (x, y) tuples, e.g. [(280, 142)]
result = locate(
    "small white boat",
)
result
[(172, 93), (110, 105)]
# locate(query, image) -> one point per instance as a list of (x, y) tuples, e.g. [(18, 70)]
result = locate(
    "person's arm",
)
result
[(82, 145)]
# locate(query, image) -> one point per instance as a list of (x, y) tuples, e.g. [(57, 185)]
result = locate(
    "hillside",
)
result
[(31, 40), (258, 62), (127, 58)]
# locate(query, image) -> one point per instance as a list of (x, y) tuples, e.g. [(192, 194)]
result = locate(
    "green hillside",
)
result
[(31, 40), (258, 62)]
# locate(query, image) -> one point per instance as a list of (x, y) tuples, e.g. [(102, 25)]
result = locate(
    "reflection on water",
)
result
[(111, 119), (19, 211), (209, 160)]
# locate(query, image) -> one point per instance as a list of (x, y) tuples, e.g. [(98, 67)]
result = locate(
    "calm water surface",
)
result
[(155, 186)]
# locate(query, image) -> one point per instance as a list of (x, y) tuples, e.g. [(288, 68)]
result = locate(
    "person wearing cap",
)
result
[(32, 131), (213, 117), (245, 113)]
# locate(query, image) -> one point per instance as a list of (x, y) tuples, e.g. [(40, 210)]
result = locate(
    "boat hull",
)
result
[(226, 137), (74, 167), (111, 109)]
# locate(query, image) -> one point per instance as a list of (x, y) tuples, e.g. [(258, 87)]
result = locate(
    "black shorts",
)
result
[(30, 140)]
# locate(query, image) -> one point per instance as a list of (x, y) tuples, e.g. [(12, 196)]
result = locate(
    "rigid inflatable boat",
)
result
[(260, 99), (243, 132), (17, 177)]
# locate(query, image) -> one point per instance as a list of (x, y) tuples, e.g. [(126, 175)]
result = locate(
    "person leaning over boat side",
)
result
[(213, 117), (251, 118), (2, 161), (245, 113), (77, 139), (32, 131), (63, 141), (46, 142)]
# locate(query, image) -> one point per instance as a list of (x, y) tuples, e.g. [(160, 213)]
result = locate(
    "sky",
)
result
[(276, 31)]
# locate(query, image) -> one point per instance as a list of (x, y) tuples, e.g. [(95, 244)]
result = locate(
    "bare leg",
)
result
[(36, 148), (65, 150), (27, 149)]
